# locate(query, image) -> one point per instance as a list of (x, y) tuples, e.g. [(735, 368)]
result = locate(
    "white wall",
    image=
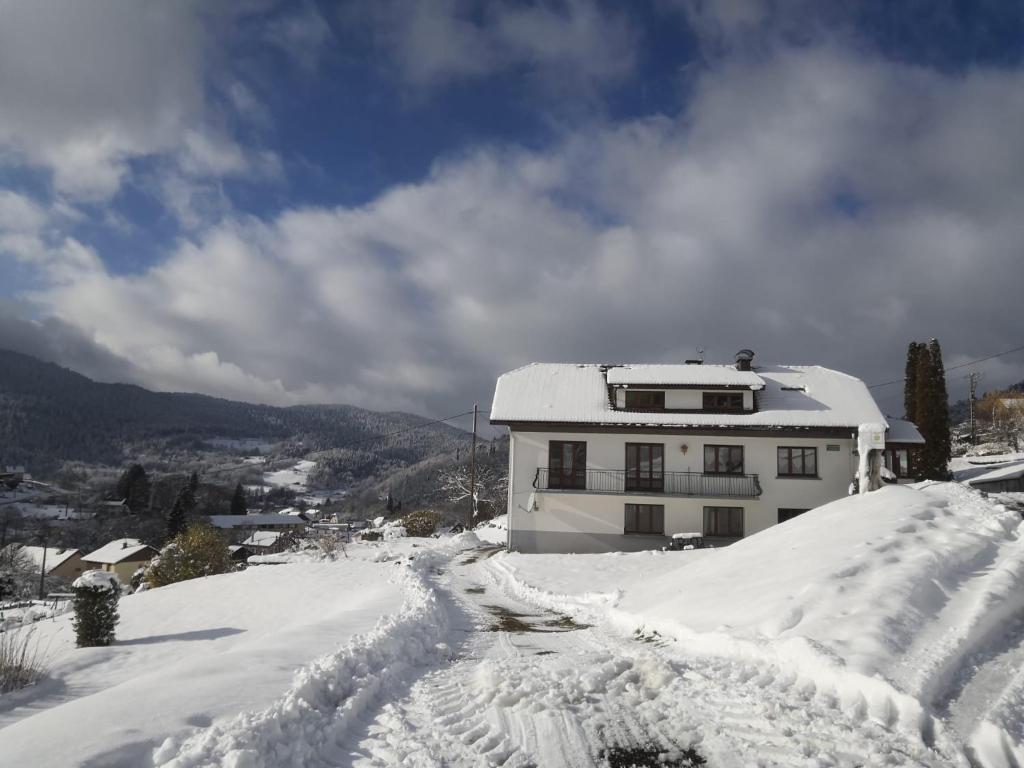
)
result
[(603, 514)]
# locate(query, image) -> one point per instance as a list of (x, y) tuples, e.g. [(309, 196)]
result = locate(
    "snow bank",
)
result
[(187, 655), (879, 600), (305, 726)]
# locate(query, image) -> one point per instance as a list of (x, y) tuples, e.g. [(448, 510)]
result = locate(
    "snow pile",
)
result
[(97, 579), (305, 726), (885, 601)]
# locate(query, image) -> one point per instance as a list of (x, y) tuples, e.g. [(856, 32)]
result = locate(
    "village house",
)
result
[(121, 556), (62, 563), (238, 527), (622, 457)]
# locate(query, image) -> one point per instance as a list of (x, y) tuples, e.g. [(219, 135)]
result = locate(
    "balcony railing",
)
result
[(720, 486)]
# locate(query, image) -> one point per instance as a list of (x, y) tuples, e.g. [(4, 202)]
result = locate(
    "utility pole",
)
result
[(472, 475), (973, 379), (42, 569)]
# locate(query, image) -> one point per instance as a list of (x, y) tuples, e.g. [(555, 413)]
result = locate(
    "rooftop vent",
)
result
[(743, 359)]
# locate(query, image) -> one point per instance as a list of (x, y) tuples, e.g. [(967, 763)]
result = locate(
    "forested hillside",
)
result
[(49, 415)]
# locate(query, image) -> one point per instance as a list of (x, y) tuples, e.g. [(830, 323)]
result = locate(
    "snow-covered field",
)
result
[(879, 630)]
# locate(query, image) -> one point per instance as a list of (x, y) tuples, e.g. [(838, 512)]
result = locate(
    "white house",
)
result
[(621, 457)]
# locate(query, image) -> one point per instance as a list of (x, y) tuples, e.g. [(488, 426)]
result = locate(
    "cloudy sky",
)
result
[(389, 203)]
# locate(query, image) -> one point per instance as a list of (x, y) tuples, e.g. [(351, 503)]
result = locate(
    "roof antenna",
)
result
[(700, 354)]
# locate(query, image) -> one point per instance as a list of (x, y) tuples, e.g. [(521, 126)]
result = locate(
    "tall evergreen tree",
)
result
[(910, 381), (177, 518), (238, 506), (134, 486), (193, 483), (939, 417)]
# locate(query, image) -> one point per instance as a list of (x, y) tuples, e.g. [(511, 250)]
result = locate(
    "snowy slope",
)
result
[(185, 655), (894, 603)]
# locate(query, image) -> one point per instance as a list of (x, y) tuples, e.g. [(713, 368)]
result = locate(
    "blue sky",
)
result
[(389, 203)]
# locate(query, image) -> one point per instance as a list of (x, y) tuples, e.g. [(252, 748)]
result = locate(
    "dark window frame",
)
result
[(655, 398), (804, 451), (906, 468), (573, 477), (651, 480), (648, 519), (722, 401), (734, 523), (720, 466), (788, 513)]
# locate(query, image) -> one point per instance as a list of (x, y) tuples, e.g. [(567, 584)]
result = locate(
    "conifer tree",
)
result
[(134, 487), (910, 381), (95, 606), (238, 506), (177, 518), (938, 428), (193, 483)]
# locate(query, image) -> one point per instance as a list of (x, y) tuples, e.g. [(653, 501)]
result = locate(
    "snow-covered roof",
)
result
[(684, 375), (263, 538), (251, 521), (903, 431), (120, 550), (793, 396), (54, 556), (1010, 472)]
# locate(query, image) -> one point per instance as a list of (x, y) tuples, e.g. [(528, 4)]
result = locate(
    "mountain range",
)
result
[(50, 415)]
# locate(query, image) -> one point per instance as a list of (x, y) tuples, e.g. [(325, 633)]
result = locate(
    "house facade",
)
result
[(122, 557), (622, 457)]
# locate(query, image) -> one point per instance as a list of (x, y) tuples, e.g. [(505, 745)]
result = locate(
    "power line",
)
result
[(952, 367)]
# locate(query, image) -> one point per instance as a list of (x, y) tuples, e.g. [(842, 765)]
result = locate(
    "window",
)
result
[(897, 461), (567, 464), (788, 514), (723, 459), (723, 521), (723, 401), (645, 464), (798, 462), (645, 400), (645, 518)]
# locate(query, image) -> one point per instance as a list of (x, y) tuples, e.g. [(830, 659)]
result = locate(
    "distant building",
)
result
[(63, 563), (268, 542), (1005, 479), (121, 556), (238, 527)]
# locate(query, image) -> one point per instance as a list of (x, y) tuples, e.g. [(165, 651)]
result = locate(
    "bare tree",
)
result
[(491, 487)]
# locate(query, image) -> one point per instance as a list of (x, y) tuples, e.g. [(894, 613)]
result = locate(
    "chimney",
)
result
[(124, 544), (743, 359)]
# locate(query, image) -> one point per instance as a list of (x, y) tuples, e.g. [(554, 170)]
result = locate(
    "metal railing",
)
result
[(703, 485)]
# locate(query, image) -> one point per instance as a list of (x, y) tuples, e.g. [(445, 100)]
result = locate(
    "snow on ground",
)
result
[(186, 655), (883, 629), (493, 531), (295, 477), (905, 606)]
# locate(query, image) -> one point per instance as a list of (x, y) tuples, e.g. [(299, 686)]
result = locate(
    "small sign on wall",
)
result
[(831, 447)]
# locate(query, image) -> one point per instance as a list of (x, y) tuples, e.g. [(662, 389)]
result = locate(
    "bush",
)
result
[(422, 524), (21, 662), (200, 551), (95, 603)]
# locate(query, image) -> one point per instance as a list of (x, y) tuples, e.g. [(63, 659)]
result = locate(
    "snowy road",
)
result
[(532, 687)]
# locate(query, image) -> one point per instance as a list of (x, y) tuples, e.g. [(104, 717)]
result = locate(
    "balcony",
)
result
[(698, 484)]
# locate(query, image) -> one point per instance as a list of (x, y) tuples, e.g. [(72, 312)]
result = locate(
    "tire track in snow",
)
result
[(533, 698)]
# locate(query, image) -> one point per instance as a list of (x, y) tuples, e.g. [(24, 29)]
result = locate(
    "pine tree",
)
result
[(939, 417), (910, 381), (134, 486), (177, 518), (238, 506), (193, 483)]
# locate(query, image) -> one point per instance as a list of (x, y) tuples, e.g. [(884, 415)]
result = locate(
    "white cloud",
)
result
[(818, 208), (576, 41)]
